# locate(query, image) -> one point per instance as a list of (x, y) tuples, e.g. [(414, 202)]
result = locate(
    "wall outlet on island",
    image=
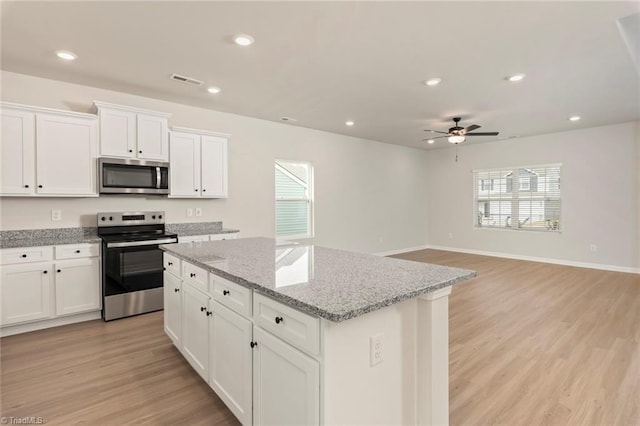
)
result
[(56, 214), (198, 211), (189, 212), (376, 354)]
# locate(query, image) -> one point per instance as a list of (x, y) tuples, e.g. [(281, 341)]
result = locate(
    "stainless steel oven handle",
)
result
[(142, 243), (158, 178)]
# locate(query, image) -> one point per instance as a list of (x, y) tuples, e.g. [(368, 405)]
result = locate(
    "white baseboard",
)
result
[(600, 266), (404, 250), (56, 322)]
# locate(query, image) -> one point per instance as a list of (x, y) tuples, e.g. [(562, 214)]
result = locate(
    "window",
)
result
[(294, 199), (518, 198)]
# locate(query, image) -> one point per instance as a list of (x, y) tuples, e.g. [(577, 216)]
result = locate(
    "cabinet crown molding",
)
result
[(98, 104), (200, 132), (35, 109)]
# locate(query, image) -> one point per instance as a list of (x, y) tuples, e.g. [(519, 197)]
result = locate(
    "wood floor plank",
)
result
[(530, 344)]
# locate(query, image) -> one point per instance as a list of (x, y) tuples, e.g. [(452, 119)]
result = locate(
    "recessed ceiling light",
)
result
[(66, 55), (433, 81), (574, 118), (243, 39), (214, 89), (516, 77), (430, 141), (349, 123)]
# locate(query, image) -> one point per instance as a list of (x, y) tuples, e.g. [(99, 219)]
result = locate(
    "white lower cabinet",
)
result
[(77, 286), (230, 360), (195, 329), (286, 383), (172, 308), (25, 292)]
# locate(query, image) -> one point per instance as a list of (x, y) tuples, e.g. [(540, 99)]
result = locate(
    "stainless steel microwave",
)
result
[(129, 176)]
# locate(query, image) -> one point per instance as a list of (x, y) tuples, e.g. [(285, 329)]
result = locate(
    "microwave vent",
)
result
[(186, 80)]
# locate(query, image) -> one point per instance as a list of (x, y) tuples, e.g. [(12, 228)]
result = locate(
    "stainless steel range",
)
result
[(132, 262)]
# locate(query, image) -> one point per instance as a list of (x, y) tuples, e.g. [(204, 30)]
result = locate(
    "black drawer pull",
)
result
[(45, 272), (209, 313), (26, 186), (24, 255), (77, 251), (58, 270), (175, 290), (202, 309), (225, 292), (170, 263), (279, 320), (253, 344), (192, 275), (39, 186)]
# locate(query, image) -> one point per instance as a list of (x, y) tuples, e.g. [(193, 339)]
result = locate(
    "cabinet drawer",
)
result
[(291, 325), (26, 255), (171, 264), (231, 295), (73, 251), (195, 276)]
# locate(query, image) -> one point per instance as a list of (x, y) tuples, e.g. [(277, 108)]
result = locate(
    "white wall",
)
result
[(368, 196), (600, 196)]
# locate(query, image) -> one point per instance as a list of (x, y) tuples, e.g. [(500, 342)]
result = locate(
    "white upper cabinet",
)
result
[(48, 152), (17, 152), (198, 164), (65, 155), (129, 132)]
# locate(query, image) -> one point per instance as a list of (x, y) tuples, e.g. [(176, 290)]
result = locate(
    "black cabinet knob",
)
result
[(170, 263), (45, 272), (110, 217), (58, 270), (209, 313), (24, 255), (139, 152), (153, 217), (103, 218), (202, 309), (253, 344), (175, 290), (39, 186), (160, 217), (26, 186), (192, 275), (130, 150), (279, 320), (225, 292), (164, 269), (204, 190), (196, 190), (77, 251)]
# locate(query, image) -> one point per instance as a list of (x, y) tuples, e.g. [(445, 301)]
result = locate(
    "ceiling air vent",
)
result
[(187, 80)]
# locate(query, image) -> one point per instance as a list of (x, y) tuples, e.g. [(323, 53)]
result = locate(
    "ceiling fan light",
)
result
[(456, 139)]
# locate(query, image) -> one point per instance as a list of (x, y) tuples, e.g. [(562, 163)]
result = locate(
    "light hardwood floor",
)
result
[(530, 344)]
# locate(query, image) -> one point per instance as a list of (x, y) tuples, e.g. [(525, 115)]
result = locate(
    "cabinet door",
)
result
[(214, 167), (25, 292), (172, 301), (65, 155), (230, 360), (117, 133), (77, 286), (184, 170), (153, 138), (286, 383), (17, 152), (195, 329)]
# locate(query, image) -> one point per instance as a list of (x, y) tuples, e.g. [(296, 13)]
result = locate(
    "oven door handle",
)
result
[(142, 243)]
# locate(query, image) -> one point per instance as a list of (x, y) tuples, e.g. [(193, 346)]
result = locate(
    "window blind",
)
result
[(523, 198), (293, 199)]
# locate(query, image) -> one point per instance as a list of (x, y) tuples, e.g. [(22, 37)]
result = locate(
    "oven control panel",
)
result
[(130, 218)]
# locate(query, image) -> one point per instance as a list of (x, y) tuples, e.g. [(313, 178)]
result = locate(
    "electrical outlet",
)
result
[(198, 211), (593, 248), (376, 354), (56, 215), (189, 212)]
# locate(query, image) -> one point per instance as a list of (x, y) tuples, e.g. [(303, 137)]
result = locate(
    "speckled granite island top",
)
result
[(333, 284)]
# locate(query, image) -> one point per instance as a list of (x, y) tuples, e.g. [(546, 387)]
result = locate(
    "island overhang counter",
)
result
[(317, 335)]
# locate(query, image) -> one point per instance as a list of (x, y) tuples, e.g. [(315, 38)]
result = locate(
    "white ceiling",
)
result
[(323, 63)]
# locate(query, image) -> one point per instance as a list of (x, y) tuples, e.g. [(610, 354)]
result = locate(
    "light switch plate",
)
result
[(56, 215), (198, 211)]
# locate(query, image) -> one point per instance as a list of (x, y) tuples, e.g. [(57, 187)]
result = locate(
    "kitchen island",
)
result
[(290, 333)]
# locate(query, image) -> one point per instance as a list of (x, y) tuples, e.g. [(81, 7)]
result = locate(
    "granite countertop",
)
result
[(198, 228), (47, 237), (333, 284)]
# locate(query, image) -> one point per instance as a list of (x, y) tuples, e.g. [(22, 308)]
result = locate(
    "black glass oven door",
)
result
[(130, 269)]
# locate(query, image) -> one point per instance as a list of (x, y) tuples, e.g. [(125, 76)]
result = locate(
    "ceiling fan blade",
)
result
[(436, 131), (483, 134), (437, 137), (471, 128)]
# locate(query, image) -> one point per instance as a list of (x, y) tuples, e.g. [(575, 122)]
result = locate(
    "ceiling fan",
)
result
[(457, 134)]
